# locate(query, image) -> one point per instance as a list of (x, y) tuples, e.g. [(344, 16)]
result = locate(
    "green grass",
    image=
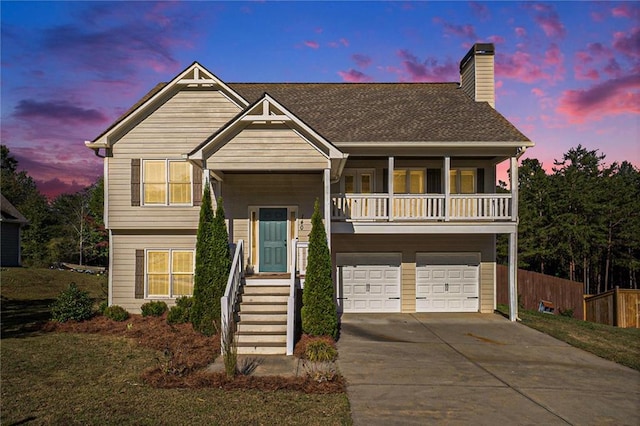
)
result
[(64, 378), (621, 345)]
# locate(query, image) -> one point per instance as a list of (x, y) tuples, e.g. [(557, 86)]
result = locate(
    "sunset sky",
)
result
[(567, 73)]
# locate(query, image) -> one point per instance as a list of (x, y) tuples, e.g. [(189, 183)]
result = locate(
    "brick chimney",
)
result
[(477, 74)]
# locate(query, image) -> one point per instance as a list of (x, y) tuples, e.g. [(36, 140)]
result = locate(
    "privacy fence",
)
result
[(618, 307), (534, 287)]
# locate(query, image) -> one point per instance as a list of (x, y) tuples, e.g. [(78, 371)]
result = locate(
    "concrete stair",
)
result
[(262, 326)]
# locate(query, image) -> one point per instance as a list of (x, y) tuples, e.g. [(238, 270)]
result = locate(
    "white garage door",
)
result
[(369, 282), (447, 282)]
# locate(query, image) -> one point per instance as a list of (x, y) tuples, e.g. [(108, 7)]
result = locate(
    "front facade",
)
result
[(404, 173)]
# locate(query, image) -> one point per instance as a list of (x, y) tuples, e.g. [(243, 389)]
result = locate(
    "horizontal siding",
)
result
[(409, 245), (487, 286), (175, 128), (267, 149), (123, 264), (124, 216)]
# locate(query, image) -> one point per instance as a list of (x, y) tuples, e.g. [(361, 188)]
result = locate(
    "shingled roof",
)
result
[(388, 112), (8, 213)]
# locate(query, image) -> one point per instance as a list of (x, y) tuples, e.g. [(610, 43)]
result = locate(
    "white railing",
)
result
[(229, 301), (421, 207), (360, 206), (302, 252), (480, 206)]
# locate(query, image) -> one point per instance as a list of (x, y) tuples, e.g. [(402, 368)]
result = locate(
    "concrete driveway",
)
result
[(476, 368)]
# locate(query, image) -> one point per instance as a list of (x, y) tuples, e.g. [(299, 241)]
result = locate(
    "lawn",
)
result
[(621, 345), (78, 378)]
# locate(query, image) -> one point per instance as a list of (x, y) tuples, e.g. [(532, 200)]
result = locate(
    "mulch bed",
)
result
[(186, 353)]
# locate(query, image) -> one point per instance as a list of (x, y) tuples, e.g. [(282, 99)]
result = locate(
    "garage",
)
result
[(447, 282), (368, 282)]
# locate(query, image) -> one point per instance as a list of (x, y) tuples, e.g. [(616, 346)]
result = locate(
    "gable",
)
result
[(265, 148)]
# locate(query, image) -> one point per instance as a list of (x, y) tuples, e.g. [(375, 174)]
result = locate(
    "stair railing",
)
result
[(291, 302), (228, 302)]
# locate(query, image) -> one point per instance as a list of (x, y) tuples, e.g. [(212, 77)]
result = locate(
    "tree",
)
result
[(319, 313), (201, 316), (222, 257)]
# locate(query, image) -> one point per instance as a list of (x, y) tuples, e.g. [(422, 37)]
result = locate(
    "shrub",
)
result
[(320, 350), (319, 312), (181, 313), (72, 304), (566, 312), (116, 313), (102, 306), (306, 340), (154, 309), (320, 371)]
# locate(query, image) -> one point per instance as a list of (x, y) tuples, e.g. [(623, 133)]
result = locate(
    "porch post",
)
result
[(514, 189), (390, 185), (513, 275), (327, 205), (447, 187)]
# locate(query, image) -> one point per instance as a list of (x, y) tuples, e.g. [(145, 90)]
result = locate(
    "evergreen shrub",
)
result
[(154, 309), (116, 313), (72, 304)]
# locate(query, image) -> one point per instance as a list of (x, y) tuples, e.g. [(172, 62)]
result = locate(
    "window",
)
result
[(358, 181), (409, 181), (169, 273), (166, 182), (462, 181)]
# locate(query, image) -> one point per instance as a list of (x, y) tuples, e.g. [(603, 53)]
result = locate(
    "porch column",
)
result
[(327, 205), (514, 189), (390, 185), (513, 275), (447, 187)]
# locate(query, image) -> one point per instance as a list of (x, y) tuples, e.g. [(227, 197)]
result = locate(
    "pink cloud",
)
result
[(612, 97), (428, 70), (520, 66), (597, 16), (496, 39), (626, 10), (344, 42), (311, 44), (361, 60), (628, 43), (354, 76), (465, 31), (547, 18), (520, 32), (537, 92), (318, 30), (553, 58)]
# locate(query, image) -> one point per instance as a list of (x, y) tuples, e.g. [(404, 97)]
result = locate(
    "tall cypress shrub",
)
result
[(222, 264), (203, 293), (319, 312)]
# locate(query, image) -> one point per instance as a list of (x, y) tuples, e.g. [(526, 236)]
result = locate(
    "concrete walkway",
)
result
[(476, 369)]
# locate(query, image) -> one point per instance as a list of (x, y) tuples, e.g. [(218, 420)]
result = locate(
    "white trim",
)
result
[(255, 263), (171, 295), (110, 271), (105, 193), (167, 202), (346, 227), (327, 205)]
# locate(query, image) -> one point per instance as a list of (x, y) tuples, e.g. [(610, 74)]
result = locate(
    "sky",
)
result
[(567, 73)]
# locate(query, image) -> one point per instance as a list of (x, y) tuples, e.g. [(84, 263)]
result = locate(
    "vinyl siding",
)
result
[(478, 79), (123, 264), (174, 128), (240, 192), (257, 148), (409, 245)]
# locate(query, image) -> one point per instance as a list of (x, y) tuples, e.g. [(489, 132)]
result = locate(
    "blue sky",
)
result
[(567, 73)]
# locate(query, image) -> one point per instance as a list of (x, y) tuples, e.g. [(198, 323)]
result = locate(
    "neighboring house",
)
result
[(11, 222), (405, 174)]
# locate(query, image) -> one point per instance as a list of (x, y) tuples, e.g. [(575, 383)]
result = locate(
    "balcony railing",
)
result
[(421, 207)]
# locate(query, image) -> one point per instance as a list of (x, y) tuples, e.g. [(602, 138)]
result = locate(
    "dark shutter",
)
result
[(434, 181), (480, 181), (139, 290), (197, 186), (135, 182)]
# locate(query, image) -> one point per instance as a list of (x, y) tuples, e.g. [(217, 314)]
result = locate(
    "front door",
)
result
[(273, 240)]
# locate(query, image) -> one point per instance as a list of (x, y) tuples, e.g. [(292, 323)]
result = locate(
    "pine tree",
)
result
[(203, 293), (319, 313)]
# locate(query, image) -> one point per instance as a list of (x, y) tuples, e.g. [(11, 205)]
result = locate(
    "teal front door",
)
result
[(273, 240)]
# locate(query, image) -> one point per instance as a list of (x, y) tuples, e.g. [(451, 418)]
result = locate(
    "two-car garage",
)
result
[(373, 282)]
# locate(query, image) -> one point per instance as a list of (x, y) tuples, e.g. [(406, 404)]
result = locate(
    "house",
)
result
[(11, 222), (405, 174)]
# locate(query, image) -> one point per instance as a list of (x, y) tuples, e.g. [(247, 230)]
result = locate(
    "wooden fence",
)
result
[(616, 307), (534, 287)]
